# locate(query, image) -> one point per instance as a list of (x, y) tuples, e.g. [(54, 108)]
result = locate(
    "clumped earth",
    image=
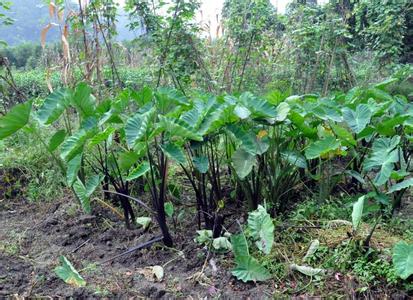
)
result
[(34, 235)]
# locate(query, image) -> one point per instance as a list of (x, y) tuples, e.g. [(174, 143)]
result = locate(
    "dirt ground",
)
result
[(33, 236)]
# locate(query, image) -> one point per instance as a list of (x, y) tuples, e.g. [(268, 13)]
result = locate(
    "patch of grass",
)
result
[(43, 180)]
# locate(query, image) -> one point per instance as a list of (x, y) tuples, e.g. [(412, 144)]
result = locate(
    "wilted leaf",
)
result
[(68, 273), (357, 212), (306, 270)]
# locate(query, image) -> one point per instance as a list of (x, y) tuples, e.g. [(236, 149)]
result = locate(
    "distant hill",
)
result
[(32, 15)]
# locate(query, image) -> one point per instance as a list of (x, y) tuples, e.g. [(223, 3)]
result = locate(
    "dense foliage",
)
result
[(302, 117)]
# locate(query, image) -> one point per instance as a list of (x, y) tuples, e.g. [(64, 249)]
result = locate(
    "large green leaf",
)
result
[(73, 167), (384, 155), (260, 108), (56, 140), (387, 127), (295, 158), (241, 111), (83, 192), (403, 259), (357, 212), (243, 162), (174, 152), (299, 122), (73, 145), (102, 136), (249, 269), (136, 127), (246, 139), (53, 106), (201, 163), (357, 120), (139, 171), (401, 185), (127, 159), (179, 129), (83, 100), (239, 245), (282, 111), (262, 229), (344, 135), (68, 273), (16, 119), (322, 147)]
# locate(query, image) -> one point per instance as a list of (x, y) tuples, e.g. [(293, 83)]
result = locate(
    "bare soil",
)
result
[(34, 235)]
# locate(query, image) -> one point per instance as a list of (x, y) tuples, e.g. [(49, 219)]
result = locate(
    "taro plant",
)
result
[(260, 229)]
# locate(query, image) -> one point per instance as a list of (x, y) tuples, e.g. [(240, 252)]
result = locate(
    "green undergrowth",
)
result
[(342, 257), (27, 171)]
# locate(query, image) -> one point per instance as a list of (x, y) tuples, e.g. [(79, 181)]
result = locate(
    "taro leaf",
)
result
[(201, 163), (262, 145), (249, 269), (306, 270), (242, 162), (83, 192), (101, 136), (128, 159), (241, 111), (169, 209), (403, 259), (295, 158), (136, 128), (259, 107), (179, 128), (356, 175), (322, 147), (246, 138), (73, 167), (345, 136), (221, 244), (357, 120), (56, 140), (53, 107), (387, 127), (73, 145), (384, 155), (239, 246), (282, 111), (401, 185), (357, 212), (144, 222), (299, 122), (16, 119), (194, 116), (83, 100), (174, 152), (262, 229), (68, 273), (143, 96), (204, 236), (312, 249), (139, 171)]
